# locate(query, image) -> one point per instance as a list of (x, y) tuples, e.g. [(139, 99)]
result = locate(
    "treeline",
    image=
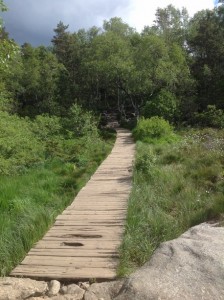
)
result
[(173, 69)]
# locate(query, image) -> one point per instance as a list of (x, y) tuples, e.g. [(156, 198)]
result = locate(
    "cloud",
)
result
[(33, 21), (142, 12)]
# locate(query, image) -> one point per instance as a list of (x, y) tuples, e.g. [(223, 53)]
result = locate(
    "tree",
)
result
[(38, 81), (160, 66), (172, 24), (164, 104), (109, 67), (117, 26), (8, 48), (60, 42), (9, 61), (206, 40)]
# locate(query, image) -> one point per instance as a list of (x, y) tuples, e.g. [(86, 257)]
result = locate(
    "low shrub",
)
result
[(153, 130), (19, 147), (212, 117), (80, 123)]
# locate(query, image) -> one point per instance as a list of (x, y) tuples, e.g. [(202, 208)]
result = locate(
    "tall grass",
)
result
[(30, 201), (175, 186)]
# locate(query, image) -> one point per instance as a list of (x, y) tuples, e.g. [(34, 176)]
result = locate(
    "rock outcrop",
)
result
[(18, 288), (190, 267), (105, 290)]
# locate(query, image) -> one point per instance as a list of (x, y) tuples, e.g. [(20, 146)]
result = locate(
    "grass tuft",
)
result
[(175, 186)]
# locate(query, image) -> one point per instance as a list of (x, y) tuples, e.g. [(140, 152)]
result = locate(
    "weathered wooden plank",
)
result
[(83, 236), (87, 229), (74, 253), (47, 260), (118, 213), (93, 217), (74, 244), (75, 262), (64, 272)]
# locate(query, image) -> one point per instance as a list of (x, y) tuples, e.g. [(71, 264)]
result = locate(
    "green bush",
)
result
[(45, 126), (6, 102), (19, 147), (80, 123), (162, 105), (152, 130), (48, 130), (145, 159), (212, 117)]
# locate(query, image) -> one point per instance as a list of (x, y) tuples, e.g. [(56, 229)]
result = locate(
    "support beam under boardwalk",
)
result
[(83, 243)]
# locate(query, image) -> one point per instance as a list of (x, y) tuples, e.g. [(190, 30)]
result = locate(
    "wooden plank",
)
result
[(93, 217), (87, 229), (64, 272), (74, 253), (93, 208), (74, 244), (75, 262), (119, 213), (88, 220), (83, 236), (42, 260)]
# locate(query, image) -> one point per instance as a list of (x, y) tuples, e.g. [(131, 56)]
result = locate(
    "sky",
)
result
[(33, 21)]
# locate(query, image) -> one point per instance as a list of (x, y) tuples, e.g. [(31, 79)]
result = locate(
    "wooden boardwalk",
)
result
[(83, 243)]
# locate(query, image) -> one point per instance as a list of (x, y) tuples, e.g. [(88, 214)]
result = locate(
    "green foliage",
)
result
[(25, 143), (3, 7), (80, 123), (7, 103), (9, 52), (175, 186), (45, 126), (172, 23), (19, 147), (48, 169), (212, 117), (30, 202), (153, 130), (163, 105), (117, 26), (205, 40), (38, 82)]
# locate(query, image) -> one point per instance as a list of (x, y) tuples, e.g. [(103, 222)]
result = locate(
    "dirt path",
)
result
[(83, 243)]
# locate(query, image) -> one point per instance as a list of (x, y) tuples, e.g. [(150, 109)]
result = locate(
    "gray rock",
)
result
[(190, 267), (40, 298), (73, 290), (84, 285), (103, 291), (64, 297), (21, 288), (54, 288)]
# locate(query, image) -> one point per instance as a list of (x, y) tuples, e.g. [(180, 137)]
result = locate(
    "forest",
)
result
[(172, 69), (55, 100)]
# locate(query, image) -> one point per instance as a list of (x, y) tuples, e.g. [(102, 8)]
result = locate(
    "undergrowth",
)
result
[(175, 186), (43, 164)]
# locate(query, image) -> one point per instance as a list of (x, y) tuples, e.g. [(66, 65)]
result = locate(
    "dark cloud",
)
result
[(33, 21)]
